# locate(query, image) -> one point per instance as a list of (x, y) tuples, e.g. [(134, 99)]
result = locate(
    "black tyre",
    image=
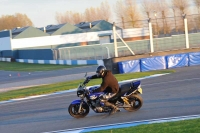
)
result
[(136, 102), (73, 110)]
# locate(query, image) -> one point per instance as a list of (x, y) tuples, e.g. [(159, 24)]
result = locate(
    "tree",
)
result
[(23, 20), (132, 13), (13, 21), (162, 10), (119, 9), (91, 14), (62, 18), (197, 19), (197, 4), (77, 18), (69, 17), (181, 6), (147, 7), (103, 12), (127, 11)]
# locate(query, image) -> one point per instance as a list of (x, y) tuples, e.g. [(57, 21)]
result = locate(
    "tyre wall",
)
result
[(160, 62)]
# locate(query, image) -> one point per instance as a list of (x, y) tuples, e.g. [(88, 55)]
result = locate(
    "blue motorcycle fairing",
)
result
[(96, 94), (78, 102), (93, 88), (136, 84)]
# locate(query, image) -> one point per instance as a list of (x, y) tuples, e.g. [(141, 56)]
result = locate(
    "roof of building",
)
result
[(61, 29), (51, 28), (99, 25), (18, 30), (26, 32), (87, 25)]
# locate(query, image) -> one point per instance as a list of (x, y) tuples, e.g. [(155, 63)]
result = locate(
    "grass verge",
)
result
[(51, 88), (29, 67), (184, 126)]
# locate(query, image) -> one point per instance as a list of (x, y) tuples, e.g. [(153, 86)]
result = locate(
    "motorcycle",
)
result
[(128, 98)]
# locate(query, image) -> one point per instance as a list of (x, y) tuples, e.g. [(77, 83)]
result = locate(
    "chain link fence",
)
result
[(194, 30)]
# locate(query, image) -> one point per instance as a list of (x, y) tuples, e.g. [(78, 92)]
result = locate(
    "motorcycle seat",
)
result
[(125, 88), (129, 87)]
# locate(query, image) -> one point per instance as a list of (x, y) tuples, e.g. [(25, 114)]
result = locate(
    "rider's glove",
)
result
[(88, 78)]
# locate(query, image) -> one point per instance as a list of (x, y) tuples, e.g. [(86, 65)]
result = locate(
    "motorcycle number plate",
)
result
[(140, 90)]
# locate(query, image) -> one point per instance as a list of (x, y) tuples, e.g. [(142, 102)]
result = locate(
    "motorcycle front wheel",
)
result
[(73, 110), (136, 101)]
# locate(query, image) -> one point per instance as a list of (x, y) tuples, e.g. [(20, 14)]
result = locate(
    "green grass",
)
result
[(46, 89), (28, 67), (184, 126)]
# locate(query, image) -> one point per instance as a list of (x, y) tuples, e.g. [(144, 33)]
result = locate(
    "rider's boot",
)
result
[(114, 108)]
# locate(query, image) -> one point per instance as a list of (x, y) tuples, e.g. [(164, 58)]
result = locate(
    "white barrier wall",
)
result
[(57, 39), (5, 43), (5, 59), (136, 32), (65, 39)]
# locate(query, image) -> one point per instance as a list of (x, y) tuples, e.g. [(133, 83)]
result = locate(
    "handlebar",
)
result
[(86, 81)]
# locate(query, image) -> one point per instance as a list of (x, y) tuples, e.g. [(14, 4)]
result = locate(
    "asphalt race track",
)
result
[(15, 80), (172, 95)]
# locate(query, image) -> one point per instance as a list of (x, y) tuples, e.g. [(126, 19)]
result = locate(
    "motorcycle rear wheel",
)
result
[(73, 110), (136, 102)]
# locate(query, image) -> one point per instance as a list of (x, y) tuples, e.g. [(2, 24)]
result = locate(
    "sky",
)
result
[(42, 12)]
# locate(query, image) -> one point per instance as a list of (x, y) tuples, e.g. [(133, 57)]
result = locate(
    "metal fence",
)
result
[(91, 52), (168, 33), (171, 33)]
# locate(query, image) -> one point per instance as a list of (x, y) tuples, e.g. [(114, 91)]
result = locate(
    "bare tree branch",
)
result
[(181, 6), (197, 4), (147, 7)]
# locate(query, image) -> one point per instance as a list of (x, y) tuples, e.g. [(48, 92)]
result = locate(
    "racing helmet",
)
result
[(100, 71)]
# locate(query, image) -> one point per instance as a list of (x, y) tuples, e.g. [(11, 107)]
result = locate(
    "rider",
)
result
[(109, 84)]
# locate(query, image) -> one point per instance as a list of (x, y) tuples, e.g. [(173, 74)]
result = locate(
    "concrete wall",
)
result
[(5, 41), (5, 44)]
